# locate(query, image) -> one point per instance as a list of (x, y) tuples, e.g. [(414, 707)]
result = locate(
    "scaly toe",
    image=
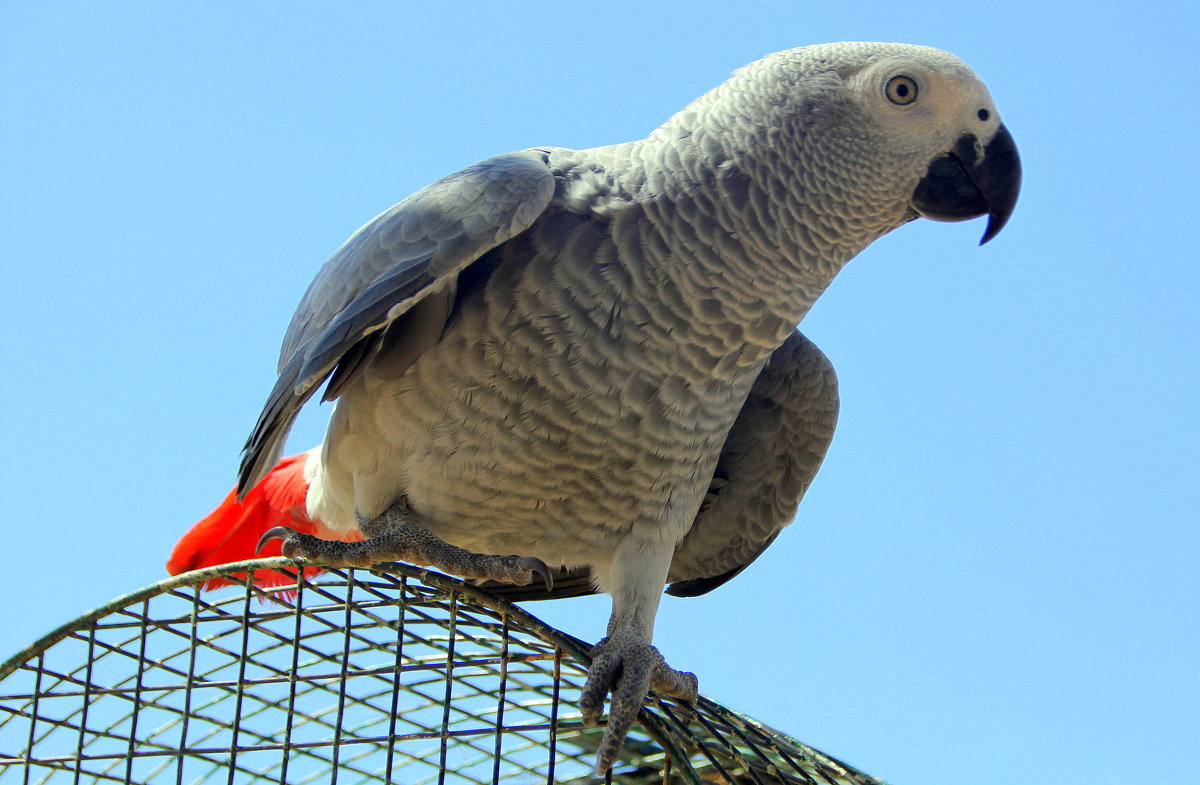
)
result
[(602, 677), (681, 685)]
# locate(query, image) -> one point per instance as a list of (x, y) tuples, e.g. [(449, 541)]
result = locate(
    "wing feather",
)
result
[(769, 459), (406, 254)]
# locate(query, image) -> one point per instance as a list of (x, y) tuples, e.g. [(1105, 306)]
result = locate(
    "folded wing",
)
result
[(409, 255)]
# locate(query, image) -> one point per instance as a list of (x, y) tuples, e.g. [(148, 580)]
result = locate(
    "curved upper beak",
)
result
[(967, 183)]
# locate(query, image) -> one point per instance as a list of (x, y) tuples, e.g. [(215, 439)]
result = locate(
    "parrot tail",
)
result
[(230, 532)]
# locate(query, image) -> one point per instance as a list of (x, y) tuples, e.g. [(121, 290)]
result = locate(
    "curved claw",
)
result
[(538, 567), (277, 533)]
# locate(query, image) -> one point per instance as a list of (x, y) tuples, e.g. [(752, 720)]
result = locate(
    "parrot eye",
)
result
[(901, 90)]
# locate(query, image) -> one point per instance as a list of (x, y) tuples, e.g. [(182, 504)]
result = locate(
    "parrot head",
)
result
[(937, 115), (889, 133)]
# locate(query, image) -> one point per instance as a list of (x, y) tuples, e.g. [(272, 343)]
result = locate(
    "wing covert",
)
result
[(768, 460), (402, 256)]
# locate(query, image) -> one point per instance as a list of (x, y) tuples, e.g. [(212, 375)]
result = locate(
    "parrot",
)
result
[(560, 372)]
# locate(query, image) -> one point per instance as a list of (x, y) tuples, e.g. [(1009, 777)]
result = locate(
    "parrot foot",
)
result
[(627, 667), (398, 538)]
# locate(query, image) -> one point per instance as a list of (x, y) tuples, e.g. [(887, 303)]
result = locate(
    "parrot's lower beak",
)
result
[(964, 184)]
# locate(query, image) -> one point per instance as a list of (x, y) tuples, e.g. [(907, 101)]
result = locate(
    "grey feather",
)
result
[(768, 461), (401, 257)]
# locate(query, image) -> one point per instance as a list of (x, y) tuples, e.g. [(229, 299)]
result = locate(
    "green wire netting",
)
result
[(404, 676)]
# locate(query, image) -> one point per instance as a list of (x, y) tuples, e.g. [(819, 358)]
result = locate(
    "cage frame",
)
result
[(698, 745)]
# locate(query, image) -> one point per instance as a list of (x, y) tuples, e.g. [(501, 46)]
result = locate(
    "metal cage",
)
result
[(404, 676)]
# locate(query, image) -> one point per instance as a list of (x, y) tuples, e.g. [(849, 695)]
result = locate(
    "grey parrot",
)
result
[(563, 371)]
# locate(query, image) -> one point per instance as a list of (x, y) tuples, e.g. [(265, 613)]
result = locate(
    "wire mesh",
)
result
[(405, 676)]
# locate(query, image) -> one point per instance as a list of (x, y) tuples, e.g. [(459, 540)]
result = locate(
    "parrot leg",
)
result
[(626, 665), (397, 535)]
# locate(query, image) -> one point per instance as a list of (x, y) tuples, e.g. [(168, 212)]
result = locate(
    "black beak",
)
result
[(963, 184)]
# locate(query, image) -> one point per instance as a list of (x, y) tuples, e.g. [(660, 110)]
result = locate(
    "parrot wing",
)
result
[(769, 459), (401, 267)]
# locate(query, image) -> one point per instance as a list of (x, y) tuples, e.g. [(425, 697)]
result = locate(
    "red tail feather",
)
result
[(230, 532)]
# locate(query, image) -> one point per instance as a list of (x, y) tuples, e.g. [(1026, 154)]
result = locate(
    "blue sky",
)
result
[(994, 576)]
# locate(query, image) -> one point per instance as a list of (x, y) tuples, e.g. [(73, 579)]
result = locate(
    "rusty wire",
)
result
[(405, 676)]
